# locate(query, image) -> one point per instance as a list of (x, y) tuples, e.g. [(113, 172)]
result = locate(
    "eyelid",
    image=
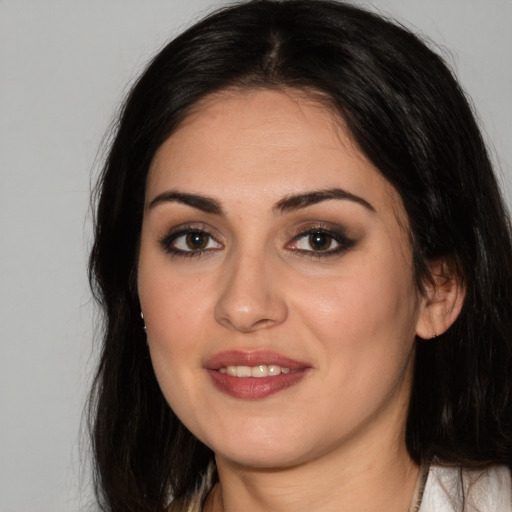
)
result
[(337, 234), (175, 233)]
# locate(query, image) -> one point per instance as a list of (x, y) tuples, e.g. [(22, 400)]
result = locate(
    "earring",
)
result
[(434, 335), (142, 316)]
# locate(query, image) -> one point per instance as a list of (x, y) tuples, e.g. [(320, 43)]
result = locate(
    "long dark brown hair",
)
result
[(410, 118)]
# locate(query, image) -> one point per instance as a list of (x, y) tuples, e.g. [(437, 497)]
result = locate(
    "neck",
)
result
[(362, 483)]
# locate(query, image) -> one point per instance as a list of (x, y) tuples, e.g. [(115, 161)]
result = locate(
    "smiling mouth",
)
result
[(258, 372), (254, 375)]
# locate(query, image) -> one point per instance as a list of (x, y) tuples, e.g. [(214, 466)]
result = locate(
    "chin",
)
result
[(261, 449), (260, 459)]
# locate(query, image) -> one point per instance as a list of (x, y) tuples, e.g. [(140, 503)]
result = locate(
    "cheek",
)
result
[(363, 294), (175, 319), (366, 329), (176, 311), (366, 317), (179, 320)]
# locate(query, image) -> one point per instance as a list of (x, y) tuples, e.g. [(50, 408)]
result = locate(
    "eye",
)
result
[(189, 242), (316, 242), (320, 242)]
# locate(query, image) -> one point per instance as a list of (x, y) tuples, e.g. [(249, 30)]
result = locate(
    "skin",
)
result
[(335, 440)]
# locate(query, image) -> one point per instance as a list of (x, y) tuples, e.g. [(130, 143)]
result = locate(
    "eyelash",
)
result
[(344, 243), (168, 241)]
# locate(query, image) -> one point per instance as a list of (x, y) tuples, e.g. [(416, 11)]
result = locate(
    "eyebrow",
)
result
[(298, 201), (287, 204), (200, 202)]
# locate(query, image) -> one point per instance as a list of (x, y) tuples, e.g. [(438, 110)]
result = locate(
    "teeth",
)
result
[(273, 369), (261, 370)]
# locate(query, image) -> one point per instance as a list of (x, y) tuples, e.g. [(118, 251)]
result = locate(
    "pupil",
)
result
[(196, 241), (319, 241)]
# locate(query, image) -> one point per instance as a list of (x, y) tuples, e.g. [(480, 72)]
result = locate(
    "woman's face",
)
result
[(276, 282)]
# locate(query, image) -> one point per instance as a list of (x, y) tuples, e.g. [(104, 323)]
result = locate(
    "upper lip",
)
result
[(252, 358)]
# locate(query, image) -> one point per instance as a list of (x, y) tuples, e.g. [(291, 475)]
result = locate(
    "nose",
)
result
[(249, 298)]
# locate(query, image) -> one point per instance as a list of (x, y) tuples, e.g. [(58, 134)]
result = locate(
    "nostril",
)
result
[(247, 321), (249, 300)]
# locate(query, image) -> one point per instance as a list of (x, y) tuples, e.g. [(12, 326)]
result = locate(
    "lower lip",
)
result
[(255, 388)]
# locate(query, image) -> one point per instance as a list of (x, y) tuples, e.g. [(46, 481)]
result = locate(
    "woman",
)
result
[(299, 204)]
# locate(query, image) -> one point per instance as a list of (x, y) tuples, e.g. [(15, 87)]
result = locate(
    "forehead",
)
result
[(269, 108), (236, 143)]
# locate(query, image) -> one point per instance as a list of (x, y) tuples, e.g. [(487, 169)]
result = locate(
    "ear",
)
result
[(441, 302)]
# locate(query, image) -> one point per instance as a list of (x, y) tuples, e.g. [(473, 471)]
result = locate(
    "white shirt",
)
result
[(484, 490)]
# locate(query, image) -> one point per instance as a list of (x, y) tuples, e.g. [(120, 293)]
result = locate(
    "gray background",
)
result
[(64, 68)]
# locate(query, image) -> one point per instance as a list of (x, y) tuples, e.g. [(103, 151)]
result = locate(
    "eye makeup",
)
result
[(317, 240), (320, 242), (189, 241)]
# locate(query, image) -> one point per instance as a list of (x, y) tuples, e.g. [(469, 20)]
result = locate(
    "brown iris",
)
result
[(196, 241), (320, 241)]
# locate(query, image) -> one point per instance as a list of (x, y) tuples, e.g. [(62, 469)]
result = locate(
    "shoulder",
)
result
[(487, 490)]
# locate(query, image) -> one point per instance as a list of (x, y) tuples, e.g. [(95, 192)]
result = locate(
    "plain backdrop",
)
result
[(65, 66)]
